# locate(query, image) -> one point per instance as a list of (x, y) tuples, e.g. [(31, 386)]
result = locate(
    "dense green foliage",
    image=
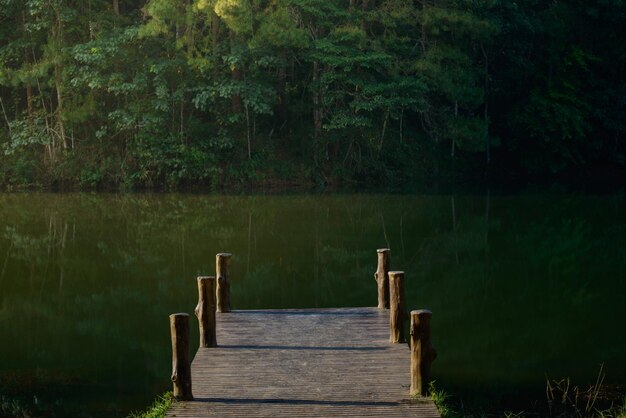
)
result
[(171, 92)]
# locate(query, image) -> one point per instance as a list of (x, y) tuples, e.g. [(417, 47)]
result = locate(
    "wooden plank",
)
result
[(303, 363)]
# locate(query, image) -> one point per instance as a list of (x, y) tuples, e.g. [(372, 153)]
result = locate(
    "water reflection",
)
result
[(520, 286)]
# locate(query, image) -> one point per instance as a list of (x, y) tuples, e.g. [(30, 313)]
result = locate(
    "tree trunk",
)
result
[(215, 33), (317, 111), (281, 107), (181, 131), (364, 6), (58, 76), (248, 133), (236, 100), (29, 100), (116, 7), (59, 90), (29, 87), (6, 117), (50, 146), (382, 134)]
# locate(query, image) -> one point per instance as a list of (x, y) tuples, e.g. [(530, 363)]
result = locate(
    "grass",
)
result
[(441, 400), (158, 408), (566, 399), (12, 408), (613, 412)]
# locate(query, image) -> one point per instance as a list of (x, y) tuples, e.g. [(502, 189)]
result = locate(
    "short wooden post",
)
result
[(181, 368), (382, 277), (422, 352), (222, 264), (397, 307), (205, 311)]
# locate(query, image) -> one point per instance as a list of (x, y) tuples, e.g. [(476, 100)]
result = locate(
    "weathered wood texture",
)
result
[(181, 367), (397, 307), (303, 363), (222, 272), (205, 311), (382, 277), (422, 351)]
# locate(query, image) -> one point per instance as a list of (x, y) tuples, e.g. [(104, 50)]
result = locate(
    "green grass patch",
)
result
[(158, 408), (441, 400)]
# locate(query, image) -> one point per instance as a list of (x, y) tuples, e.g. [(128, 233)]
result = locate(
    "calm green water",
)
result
[(520, 287)]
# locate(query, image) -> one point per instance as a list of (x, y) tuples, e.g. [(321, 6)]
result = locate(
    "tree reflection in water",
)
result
[(520, 286)]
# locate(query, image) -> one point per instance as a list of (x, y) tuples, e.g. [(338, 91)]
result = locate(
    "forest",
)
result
[(168, 94)]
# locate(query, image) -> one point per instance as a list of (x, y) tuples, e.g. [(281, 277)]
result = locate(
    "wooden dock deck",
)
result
[(303, 363)]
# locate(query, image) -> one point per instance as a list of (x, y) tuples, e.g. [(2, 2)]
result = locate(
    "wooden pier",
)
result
[(303, 363)]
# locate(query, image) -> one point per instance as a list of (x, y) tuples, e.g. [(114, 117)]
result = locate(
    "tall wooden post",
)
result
[(222, 264), (205, 311), (181, 368), (397, 307), (422, 352), (382, 277)]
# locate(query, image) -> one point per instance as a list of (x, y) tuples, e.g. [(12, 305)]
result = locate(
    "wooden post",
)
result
[(222, 263), (181, 368), (382, 277), (422, 352), (205, 311), (397, 305)]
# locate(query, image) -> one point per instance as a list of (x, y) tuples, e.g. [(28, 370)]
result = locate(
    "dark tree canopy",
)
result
[(168, 93)]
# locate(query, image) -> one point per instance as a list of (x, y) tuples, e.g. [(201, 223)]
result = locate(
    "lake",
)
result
[(521, 286)]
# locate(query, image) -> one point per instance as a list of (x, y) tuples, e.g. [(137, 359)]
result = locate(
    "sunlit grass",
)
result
[(158, 409), (440, 398)]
